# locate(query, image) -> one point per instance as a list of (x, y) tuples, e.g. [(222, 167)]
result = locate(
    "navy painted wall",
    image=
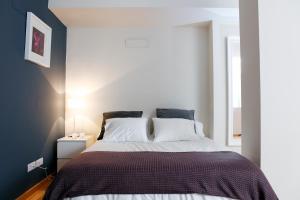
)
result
[(31, 98)]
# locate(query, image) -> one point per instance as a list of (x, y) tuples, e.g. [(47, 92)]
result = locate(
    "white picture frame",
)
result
[(231, 140), (38, 41)]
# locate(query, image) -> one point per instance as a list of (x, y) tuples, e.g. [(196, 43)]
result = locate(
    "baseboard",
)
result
[(40, 185)]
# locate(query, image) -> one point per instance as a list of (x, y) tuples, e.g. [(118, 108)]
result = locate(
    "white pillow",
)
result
[(173, 129), (126, 130), (199, 128)]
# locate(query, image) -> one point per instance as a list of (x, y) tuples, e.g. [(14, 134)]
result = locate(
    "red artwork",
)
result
[(38, 40)]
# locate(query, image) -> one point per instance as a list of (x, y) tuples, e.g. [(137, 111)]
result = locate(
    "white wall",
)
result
[(250, 80), (280, 94), (172, 72), (220, 33), (270, 59)]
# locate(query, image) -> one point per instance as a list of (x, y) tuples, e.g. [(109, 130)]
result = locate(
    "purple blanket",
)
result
[(224, 174)]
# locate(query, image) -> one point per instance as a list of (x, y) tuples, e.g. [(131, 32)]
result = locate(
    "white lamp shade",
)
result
[(75, 103)]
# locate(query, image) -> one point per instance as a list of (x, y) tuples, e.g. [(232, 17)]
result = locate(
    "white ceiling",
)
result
[(140, 13), (144, 3)]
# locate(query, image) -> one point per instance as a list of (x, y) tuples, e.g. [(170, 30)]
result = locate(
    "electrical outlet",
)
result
[(31, 166), (39, 162)]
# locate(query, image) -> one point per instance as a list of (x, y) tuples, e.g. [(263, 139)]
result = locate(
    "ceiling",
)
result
[(140, 13), (144, 3)]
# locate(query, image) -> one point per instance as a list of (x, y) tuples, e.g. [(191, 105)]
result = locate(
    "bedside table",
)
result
[(68, 147)]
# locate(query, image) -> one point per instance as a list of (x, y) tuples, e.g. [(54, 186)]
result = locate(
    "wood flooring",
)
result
[(37, 192)]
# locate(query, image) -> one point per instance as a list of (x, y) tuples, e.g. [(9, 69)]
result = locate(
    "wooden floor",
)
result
[(37, 192)]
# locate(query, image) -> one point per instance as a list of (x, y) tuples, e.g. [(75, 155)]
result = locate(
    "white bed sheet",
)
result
[(202, 144), (149, 197)]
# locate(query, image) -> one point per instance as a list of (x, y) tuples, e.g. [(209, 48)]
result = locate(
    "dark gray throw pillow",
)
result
[(175, 113), (118, 114)]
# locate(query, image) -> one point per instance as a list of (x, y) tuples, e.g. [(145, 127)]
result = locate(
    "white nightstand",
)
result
[(68, 147)]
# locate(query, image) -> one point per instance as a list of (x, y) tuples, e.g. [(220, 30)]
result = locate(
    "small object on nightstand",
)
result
[(74, 105), (71, 146)]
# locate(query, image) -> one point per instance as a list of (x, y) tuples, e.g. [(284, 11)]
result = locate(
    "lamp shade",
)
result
[(75, 103)]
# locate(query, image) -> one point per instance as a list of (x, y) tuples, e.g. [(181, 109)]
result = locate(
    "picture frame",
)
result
[(38, 41)]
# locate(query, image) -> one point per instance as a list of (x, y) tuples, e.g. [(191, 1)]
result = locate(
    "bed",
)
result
[(200, 145), (203, 144), (176, 163)]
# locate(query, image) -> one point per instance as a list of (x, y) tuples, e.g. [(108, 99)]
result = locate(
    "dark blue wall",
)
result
[(31, 98)]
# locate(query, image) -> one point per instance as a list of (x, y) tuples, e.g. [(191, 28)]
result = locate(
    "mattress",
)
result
[(201, 144)]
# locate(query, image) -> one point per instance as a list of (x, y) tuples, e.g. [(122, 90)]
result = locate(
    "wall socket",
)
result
[(31, 166), (39, 162)]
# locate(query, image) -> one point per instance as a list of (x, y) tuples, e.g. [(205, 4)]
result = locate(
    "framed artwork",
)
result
[(38, 41)]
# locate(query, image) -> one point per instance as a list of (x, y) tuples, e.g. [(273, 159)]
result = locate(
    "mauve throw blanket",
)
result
[(225, 174)]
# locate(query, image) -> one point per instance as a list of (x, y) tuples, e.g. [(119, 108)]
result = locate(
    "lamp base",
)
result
[(76, 135)]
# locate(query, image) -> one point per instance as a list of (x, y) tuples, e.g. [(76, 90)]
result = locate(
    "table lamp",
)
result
[(75, 104)]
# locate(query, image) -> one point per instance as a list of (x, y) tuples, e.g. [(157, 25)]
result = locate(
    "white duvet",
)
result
[(201, 144)]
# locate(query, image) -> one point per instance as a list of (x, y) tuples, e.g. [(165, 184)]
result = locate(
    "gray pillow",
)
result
[(118, 114), (175, 113)]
